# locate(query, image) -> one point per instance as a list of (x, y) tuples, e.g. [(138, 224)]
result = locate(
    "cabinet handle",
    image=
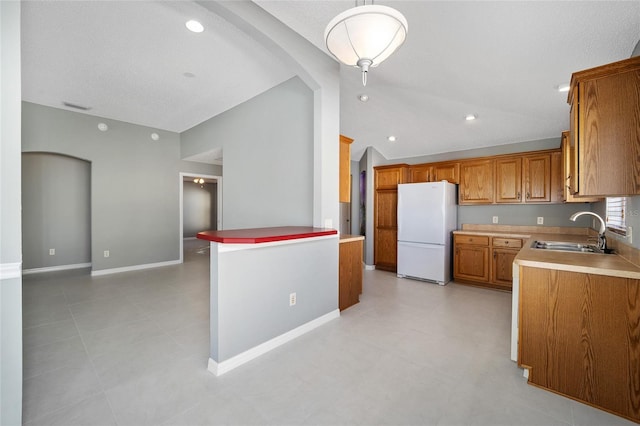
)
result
[(518, 195), (494, 254), (528, 195), (568, 177)]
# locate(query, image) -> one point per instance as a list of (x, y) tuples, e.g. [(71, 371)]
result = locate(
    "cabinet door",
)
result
[(572, 150), (476, 182), (389, 178), (537, 176), (509, 180), (609, 135), (350, 273), (419, 173), (446, 171), (557, 177), (471, 263), (502, 267), (345, 169), (386, 229), (386, 249)]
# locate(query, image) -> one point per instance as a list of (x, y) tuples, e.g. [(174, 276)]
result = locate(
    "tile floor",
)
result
[(132, 349)]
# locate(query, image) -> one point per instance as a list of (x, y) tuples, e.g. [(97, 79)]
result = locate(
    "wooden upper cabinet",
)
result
[(345, 169), (557, 177), (509, 180), (537, 178), (420, 173), (435, 172), (476, 182), (567, 172), (449, 171), (523, 179), (572, 148), (604, 105), (388, 177)]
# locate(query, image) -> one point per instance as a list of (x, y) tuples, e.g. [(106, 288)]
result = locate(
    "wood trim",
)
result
[(626, 65)]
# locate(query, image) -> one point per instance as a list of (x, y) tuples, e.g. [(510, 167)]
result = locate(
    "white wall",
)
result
[(10, 239), (135, 192)]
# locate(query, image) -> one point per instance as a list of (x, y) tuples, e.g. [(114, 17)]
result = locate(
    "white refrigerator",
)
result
[(427, 217)]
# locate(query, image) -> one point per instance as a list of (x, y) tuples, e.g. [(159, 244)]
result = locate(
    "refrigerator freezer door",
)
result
[(422, 213), (424, 261)]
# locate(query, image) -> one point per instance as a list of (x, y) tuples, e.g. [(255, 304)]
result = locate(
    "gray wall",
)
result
[(251, 305), (10, 250), (56, 210), (199, 204), (135, 182), (267, 146), (553, 214)]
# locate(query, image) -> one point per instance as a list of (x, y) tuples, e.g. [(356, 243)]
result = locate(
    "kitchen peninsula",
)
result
[(578, 317), (268, 286)]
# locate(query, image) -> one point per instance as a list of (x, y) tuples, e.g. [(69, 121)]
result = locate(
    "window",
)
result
[(616, 215)]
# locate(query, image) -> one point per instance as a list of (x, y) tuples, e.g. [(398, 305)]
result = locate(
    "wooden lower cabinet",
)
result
[(485, 260), (579, 336), (386, 249), (471, 263), (350, 273), (502, 267), (471, 258)]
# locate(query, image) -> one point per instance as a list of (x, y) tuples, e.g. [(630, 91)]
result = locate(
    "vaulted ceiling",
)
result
[(135, 61)]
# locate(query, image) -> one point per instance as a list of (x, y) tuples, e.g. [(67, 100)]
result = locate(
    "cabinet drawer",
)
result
[(478, 240), (507, 242)]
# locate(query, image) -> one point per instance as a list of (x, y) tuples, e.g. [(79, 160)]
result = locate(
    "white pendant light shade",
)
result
[(364, 36)]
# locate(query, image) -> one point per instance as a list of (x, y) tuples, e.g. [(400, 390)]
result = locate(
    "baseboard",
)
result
[(55, 268), (134, 268), (219, 368), (369, 267), (10, 270)]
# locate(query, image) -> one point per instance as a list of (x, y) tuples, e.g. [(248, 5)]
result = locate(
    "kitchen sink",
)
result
[(566, 246)]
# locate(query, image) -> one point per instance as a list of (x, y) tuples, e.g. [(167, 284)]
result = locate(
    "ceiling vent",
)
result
[(76, 106)]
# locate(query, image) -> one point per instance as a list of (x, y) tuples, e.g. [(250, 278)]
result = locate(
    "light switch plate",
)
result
[(540, 220), (495, 219)]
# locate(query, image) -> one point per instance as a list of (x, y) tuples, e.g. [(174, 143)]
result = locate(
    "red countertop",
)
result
[(264, 235)]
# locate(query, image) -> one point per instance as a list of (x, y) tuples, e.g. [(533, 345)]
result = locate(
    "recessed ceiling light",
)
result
[(363, 97), (189, 74), (155, 136), (564, 87), (194, 26), (103, 127), (470, 117), (391, 138)]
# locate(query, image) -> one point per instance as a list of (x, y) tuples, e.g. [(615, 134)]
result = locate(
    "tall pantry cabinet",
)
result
[(385, 219)]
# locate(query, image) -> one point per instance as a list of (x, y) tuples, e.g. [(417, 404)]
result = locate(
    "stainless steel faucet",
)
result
[(602, 241)]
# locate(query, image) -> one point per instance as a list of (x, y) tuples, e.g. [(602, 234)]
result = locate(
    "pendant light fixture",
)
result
[(364, 36)]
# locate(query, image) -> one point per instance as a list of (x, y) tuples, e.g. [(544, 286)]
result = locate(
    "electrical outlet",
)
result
[(630, 234), (52, 252), (292, 299), (540, 220), (106, 253), (495, 219)]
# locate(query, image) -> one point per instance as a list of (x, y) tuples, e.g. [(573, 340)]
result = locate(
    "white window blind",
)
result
[(616, 215)]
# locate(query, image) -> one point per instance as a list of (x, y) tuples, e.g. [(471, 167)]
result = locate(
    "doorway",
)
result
[(200, 205)]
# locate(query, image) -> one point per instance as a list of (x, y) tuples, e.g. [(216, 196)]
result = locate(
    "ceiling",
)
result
[(135, 61)]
